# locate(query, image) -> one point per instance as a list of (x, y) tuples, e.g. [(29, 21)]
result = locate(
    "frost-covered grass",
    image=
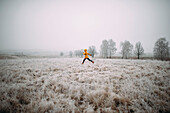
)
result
[(65, 85)]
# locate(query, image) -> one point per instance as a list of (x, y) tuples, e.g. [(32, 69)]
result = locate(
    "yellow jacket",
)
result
[(86, 54)]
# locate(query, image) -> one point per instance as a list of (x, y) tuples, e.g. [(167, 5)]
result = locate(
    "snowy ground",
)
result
[(65, 85)]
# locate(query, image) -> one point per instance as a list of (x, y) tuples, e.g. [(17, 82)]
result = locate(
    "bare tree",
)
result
[(70, 53), (138, 49), (161, 49), (92, 50), (79, 53), (104, 48), (76, 52), (126, 49), (61, 53), (111, 47)]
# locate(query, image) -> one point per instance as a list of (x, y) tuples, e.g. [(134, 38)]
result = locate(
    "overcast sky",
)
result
[(75, 24)]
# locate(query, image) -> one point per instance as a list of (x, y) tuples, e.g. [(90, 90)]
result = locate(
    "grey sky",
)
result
[(75, 24)]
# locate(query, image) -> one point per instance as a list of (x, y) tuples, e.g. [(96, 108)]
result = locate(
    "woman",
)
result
[(86, 56)]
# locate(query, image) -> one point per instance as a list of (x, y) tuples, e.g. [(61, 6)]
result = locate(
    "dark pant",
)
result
[(87, 59)]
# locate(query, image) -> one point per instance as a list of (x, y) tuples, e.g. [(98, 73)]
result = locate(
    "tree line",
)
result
[(108, 48), (161, 49)]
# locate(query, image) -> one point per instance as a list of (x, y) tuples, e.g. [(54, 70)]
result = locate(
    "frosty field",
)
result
[(65, 85)]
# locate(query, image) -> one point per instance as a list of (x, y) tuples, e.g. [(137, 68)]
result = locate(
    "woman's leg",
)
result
[(83, 60), (90, 60)]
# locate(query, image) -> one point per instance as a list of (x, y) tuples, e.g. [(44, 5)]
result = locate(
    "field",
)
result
[(65, 85)]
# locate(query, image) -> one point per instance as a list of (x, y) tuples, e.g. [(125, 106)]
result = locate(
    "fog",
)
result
[(64, 25)]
